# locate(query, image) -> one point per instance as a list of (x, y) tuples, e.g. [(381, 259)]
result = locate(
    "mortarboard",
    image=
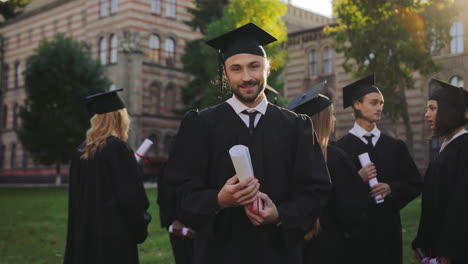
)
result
[(311, 102), (248, 38), (104, 102), (358, 89), (448, 93)]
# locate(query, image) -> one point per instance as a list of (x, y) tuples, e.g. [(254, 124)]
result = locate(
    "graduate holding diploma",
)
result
[(399, 180), (443, 227), (290, 174)]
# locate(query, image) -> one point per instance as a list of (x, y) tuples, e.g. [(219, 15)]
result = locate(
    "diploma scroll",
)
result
[(185, 230), (365, 159), (430, 260), (141, 151), (242, 162)]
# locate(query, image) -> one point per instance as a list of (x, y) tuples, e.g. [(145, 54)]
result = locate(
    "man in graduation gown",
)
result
[(399, 179), (291, 175)]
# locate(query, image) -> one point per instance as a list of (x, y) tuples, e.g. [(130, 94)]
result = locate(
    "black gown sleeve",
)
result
[(310, 185), (128, 188), (71, 239), (408, 185)]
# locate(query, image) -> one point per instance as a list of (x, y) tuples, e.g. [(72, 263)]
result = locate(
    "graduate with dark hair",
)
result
[(399, 179), (342, 227), (107, 206), (443, 229), (291, 177)]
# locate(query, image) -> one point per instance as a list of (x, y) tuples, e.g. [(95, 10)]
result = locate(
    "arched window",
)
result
[(154, 47), (17, 73), (114, 6), (103, 8), (5, 73), (313, 63), (15, 115), (457, 81), (327, 60), (5, 116), (156, 6), (103, 51), (170, 99), (171, 8), (456, 32), (169, 48), (113, 48), (13, 156)]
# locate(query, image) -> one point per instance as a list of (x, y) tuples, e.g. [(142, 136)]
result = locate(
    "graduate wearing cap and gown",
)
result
[(443, 229), (343, 221), (399, 179), (107, 215), (291, 175)]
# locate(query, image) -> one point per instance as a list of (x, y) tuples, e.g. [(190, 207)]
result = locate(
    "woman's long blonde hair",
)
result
[(323, 125), (114, 123)]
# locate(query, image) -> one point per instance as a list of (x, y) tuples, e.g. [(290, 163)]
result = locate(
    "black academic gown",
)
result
[(443, 227), (395, 167), (344, 219), (290, 169), (107, 203)]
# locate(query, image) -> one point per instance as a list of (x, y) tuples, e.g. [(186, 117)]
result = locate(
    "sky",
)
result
[(323, 7)]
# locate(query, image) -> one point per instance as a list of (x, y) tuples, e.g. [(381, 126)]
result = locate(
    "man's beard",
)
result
[(249, 99)]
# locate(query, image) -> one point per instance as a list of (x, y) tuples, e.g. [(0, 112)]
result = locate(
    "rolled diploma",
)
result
[(365, 159), (184, 230), (143, 149), (240, 157), (429, 260)]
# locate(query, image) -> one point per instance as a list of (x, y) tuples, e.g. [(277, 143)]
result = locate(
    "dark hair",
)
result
[(357, 113), (448, 118)]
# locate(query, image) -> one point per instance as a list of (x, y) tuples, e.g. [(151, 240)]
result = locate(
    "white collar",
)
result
[(238, 106), (358, 131), (461, 132)]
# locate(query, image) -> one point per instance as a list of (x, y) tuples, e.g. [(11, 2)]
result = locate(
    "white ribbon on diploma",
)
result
[(365, 159), (242, 162), (141, 151)]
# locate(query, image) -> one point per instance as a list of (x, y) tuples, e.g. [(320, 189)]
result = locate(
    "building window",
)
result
[(30, 36), (2, 156), (69, 24), (456, 32), (25, 158), (154, 47), (56, 26), (170, 99), (17, 73), (13, 156), (5, 73), (171, 8), (152, 99), (113, 48), (5, 116), (313, 63), (156, 6), (328, 61), (18, 39), (114, 6), (103, 51), (103, 9), (15, 115), (169, 48), (457, 81), (83, 18)]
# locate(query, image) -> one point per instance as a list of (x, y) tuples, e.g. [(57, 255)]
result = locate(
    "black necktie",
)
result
[(369, 141), (251, 120)]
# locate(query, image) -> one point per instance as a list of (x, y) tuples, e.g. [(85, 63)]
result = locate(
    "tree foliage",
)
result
[(201, 61), (58, 76), (393, 39), (11, 8)]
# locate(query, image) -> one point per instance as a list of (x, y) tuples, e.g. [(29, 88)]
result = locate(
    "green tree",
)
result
[(58, 76), (202, 61), (11, 8), (393, 39)]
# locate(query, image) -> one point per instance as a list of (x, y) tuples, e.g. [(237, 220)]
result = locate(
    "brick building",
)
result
[(140, 42)]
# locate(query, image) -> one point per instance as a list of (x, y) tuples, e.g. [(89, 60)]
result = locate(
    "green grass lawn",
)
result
[(33, 228)]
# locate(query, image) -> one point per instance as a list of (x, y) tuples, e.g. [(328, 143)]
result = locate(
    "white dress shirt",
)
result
[(238, 107), (360, 132)]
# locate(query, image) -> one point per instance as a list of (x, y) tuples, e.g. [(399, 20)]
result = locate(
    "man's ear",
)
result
[(357, 105)]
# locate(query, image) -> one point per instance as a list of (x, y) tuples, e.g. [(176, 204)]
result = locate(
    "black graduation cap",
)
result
[(448, 93), (248, 38), (104, 102), (311, 102), (358, 89)]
